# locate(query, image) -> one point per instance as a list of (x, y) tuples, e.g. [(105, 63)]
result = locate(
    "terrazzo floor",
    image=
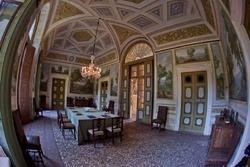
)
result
[(141, 147)]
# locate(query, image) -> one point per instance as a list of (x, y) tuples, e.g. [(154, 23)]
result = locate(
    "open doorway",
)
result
[(137, 85)]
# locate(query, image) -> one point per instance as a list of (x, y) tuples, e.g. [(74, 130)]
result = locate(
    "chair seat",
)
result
[(97, 133), (115, 130), (68, 125), (64, 116), (157, 121), (33, 142), (65, 120)]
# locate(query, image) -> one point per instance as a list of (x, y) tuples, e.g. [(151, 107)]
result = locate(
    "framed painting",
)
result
[(114, 79), (236, 67), (80, 85), (59, 69), (164, 64), (192, 54), (219, 71)]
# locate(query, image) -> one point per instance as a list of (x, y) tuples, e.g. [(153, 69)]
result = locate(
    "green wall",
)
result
[(7, 54)]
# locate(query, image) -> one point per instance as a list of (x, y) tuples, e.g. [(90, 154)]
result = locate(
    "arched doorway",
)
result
[(137, 83)]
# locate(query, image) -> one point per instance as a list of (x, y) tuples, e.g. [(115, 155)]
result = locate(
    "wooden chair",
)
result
[(37, 109), (29, 144), (97, 130), (116, 128), (110, 108), (70, 102), (61, 118), (161, 118), (65, 124), (68, 126)]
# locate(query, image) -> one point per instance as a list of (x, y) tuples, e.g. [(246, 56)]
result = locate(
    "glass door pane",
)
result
[(133, 98), (141, 93)]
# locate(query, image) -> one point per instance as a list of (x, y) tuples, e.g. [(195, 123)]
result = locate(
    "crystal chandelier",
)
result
[(91, 70)]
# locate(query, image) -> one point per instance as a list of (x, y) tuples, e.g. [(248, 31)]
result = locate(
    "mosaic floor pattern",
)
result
[(141, 147)]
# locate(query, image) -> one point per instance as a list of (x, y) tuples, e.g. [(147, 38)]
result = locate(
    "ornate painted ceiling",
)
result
[(163, 23)]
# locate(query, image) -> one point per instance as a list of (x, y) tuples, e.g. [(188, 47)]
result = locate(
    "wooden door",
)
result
[(194, 101), (141, 94), (103, 94), (58, 93)]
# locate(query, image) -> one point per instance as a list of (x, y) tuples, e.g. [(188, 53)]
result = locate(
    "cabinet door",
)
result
[(222, 137)]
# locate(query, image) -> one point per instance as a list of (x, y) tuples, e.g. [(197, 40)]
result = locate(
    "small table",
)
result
[(82, 119)]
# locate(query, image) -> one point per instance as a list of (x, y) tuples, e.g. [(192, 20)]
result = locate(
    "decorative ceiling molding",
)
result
[(125, 13), (57, 56), (160, 22), (156, 12), (176, 8), (123, 33), (65, 10), (183, 33), (142, 22), (110, 57), (209, 12)]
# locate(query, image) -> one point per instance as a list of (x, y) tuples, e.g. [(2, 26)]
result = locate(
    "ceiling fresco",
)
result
[(71, 29)]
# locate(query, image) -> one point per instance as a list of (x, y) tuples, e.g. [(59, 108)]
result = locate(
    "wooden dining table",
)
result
[(82, 119)]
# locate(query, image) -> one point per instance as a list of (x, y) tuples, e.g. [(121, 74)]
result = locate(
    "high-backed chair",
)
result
[(110, 108), (70, 102), (116, 128), (161, 118), (67, 125), (37, 109), (29, 144), (97, 130)]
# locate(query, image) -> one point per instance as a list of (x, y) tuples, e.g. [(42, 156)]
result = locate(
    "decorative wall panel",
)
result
[(183, 33), (80, 85), (164, 63), (192, 54), (219, 71), (114, 79), (234, 56)]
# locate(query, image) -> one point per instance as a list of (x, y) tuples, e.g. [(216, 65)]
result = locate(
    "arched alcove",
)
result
[(137, 78)]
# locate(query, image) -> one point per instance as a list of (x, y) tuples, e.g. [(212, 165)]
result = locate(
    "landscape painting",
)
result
[(114, 79), (44, 77), (59, 69), (219, 70), (80, 85), (164, 75), (105, 71), (192, 54), (236, 69)]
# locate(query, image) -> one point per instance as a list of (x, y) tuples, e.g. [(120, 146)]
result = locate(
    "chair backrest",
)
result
[(162, 113), (98, 124), (117, 122), (19, 128), (111, 106), (70, 102)]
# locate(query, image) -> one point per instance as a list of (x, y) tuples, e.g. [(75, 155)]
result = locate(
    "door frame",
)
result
[(137, 62), (195, 67), (59, 76), (102, 79)]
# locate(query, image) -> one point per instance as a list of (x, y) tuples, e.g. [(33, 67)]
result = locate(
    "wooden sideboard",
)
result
[(224, 139)]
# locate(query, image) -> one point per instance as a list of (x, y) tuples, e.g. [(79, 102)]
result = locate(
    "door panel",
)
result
[(194, 101), (141, 75), (58, 93), (103, 94)]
